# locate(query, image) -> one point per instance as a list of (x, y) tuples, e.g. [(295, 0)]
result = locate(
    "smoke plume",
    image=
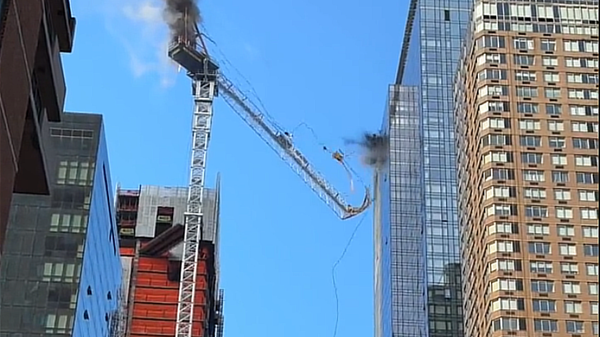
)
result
[(375, 149), (182, 16)]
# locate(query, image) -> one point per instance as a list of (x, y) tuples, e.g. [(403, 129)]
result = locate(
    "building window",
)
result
[(68, 223), (500, 192), (567, 249), (491, 59), (528, 108), (593, 288), (594, 308), (527, 92), (497, 157), (531, 141), (584, 127), (583, 78), (573, 307), (556, 126), (582, 94), (583, 110), (545, 325), (548, 45), (558, 159), (564, 212), (540, 248), (492, 74), (571, 288), (495, 123), (549, 61), (503, 247), (581, 46), (58, 324), (542, 286), (524, 75), (585, 143), (562, 195), (587, 195), (587, 178), (509, 324), (565, 231), (587, 161), (553, 109), (536, 211), (523, 43), (544, 306), (533, 176), (531, 158), (508, 304), (560, 176), (552, 92), (505, 265), (591, 269), (529, 124), (506, 285), (551, 77), (541, 267), (557, 142), (590, 232), (590, 250), (575, 327), (589, 213), (538, 229), (75, 173), (61, 272), (569, 268), (491, 42), (534, 193), (524, 60)]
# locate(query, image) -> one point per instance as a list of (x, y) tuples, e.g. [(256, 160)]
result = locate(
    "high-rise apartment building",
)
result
[(60, 274), (429, 57), (527, 133), (33, 33), (151, 234)]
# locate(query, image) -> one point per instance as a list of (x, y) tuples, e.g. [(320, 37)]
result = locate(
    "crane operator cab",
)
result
[(285, 140)]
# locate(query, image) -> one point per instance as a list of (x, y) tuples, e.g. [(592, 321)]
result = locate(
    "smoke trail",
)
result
[(375, 149), (182, 16)]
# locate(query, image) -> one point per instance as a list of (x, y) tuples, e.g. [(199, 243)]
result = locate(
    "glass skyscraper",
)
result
[(418, 286), (60, 272)]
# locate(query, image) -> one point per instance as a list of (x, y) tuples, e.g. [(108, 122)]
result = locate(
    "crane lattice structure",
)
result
[(207, 83)]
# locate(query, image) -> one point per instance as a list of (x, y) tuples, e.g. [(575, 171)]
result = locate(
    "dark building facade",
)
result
[(33, 33), (60, 274)]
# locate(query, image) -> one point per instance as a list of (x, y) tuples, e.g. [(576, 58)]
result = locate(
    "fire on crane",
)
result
[(208, 82)]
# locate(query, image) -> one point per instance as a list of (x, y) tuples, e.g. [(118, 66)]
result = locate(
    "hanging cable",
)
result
[(335, 290)]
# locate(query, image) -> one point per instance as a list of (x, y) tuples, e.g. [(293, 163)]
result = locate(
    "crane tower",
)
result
[(190, 52)]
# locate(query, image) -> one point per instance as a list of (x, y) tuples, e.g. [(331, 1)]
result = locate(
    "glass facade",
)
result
[(60, 273), (399, 248), (431, 50)]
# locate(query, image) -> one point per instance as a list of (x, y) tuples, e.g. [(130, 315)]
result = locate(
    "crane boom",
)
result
[(281, 143), (207, 82)]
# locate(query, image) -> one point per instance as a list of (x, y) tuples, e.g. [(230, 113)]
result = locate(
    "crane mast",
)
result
[(207, 83)]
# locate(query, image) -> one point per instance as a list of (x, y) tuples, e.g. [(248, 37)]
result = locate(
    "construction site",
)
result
[(170, 236), (151, 238)]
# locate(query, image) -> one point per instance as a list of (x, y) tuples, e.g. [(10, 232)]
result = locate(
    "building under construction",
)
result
[(150, 221)]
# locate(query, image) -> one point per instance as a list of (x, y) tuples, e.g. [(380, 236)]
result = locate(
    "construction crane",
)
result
[(189, 51)]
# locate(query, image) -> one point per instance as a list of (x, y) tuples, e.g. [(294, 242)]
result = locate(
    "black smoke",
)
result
[(375, 149), (182, 17)]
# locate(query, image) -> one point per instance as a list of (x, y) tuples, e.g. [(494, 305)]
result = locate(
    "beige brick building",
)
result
[(527, 134)]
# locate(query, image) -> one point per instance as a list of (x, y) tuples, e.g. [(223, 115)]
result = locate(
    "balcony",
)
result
[(58, 16), (49, 73)]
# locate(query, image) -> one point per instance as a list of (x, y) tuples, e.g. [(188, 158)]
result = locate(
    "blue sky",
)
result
[(323, 63)]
